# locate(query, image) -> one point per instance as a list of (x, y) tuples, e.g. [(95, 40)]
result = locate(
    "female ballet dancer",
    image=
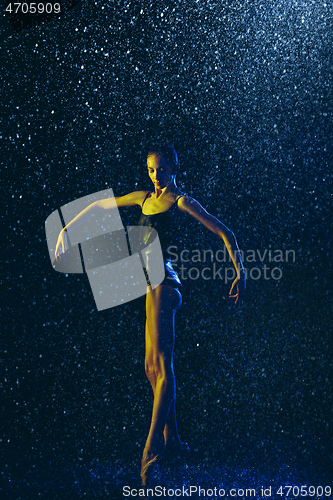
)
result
[(163, 210)]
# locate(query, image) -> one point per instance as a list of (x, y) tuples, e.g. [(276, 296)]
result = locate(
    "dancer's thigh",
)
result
[(161, 306)]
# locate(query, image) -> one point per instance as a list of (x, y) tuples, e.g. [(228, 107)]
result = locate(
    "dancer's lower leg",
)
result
[(164, 396), (161, 306), (171, 428)]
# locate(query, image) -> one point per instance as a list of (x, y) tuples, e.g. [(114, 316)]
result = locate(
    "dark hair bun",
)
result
[(169, 154)]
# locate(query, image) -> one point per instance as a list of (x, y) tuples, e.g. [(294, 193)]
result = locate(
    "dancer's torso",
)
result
[(167, 224)]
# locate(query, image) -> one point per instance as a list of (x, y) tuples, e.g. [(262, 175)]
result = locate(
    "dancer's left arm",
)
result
[(193, 208)]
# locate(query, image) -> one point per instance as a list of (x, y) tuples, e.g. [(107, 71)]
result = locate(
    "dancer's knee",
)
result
[(163, 367), (150, 369)]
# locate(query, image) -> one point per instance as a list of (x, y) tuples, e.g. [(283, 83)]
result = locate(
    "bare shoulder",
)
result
[(134, 198), (139, 196), (189, 205), (192, 207)]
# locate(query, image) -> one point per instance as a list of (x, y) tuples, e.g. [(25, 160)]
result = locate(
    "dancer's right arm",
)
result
[(135, 198)]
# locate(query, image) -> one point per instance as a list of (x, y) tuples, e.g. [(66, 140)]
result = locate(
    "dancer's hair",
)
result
[(169, 154)]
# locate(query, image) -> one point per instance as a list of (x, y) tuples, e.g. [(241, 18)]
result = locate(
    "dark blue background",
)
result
[(244, 90)]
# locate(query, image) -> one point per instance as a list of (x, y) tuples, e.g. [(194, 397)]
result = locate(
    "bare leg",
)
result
[(170, 429), (161, 304)]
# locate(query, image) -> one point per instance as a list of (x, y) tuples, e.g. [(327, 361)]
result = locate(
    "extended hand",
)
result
[(62, 246), (238, 287)]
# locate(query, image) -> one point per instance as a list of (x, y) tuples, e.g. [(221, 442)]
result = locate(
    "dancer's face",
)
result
[(159, 171)]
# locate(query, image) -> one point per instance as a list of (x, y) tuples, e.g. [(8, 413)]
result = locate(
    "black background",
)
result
[(244, 91)]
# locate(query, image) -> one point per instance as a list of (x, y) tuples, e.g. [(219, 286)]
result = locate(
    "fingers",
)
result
[(57, 252), (236, 295), (60, 252), (233, 296), (61, 246), (58, 255)]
